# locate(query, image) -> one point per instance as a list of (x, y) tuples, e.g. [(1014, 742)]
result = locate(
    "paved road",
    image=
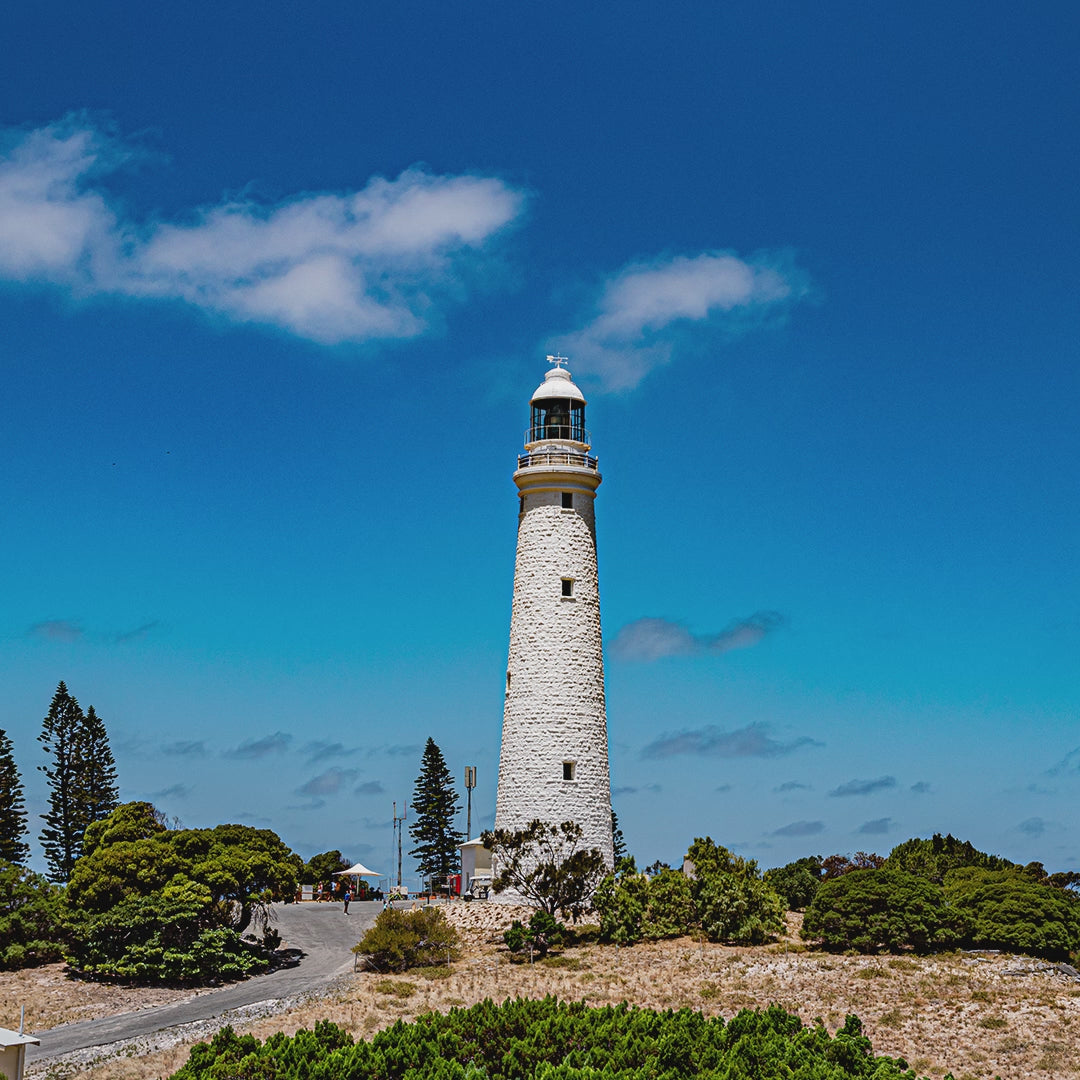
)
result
[(322, 932)]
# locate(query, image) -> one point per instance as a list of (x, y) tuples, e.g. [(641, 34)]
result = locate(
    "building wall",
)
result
[(554, 707)]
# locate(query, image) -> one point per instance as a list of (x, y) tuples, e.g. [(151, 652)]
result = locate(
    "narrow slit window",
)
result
[(521, 504), (569, 769), (567, 586), (508, 682), (568, 500)]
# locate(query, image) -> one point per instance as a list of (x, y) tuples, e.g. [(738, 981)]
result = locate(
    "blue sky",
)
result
[(276, 284)]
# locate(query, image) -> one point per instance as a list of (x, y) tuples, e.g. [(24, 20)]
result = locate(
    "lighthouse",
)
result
[(553, 765)]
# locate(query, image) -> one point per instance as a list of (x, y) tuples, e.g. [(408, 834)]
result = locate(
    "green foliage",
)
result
[(436, 804), (322, 868), (618, 841), (98, 789), (549, 1040), (82, 779), (669, 906), (13, 848), (546, 865), (620, 900), (66, 820), (1007, 909), (31, 919), (932, 859), (154, 904), (543, 932), (726, 899), (404, 939), (167, 936), (869, 910), (128, 822), (797, 882), (731, 902)]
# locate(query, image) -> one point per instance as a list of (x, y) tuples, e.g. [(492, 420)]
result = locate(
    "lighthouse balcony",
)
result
[(546, 458)]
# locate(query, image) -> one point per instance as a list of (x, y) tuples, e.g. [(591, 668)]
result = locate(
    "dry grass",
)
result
[(947, 1013)]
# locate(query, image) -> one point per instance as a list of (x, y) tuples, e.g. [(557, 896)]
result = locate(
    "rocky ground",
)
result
[(974, 1015)]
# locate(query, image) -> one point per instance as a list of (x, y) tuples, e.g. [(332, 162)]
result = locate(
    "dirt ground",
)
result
[(976, 1016)]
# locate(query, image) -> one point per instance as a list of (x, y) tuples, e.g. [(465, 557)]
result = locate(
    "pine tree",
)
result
[(98, 790), (61, 736), (13, 848), (435, 803)]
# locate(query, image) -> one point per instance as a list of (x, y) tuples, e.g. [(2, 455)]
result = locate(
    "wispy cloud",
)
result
[(1068, 765), (1032, 826), (138, 632), (374, 263), (646, 310), (723, 788), (329, 782), (320, 750), (863, 787), (800, 828), (651, 638), (397, 750), (632, 790), (791, 785), (877, 827), (277, 743), (370, 787), (920, 787), (176, 791), (185, 748), (56, 629), (754, 740)]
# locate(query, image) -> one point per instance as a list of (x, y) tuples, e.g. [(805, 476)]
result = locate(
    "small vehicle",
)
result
[(480, 887)]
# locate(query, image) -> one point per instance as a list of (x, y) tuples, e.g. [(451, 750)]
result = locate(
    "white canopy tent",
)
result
[(357, 871)]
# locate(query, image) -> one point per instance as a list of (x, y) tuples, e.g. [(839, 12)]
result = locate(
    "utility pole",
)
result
[(398, 821), (470, 783)]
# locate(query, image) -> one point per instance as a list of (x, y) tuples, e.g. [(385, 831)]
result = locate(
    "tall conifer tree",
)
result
[(98, 792), (61, 736), (12, 806), (435, 803)]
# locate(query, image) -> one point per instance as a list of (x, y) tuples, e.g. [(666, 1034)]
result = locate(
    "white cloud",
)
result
[(376, 263), (646, 309)]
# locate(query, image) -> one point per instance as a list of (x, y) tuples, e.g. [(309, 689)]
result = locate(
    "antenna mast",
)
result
[(398, 821)]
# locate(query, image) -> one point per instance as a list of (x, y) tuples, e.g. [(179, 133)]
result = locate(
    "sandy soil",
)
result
[(973, 1015)]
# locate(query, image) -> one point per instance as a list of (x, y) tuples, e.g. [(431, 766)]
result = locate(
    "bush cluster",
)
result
[(551, 1039), (405, 939), (723, 897), (982, 905), (32, 928), (543, 932)]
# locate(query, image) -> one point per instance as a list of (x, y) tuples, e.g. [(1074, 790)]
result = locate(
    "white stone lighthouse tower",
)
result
[(554, 760)]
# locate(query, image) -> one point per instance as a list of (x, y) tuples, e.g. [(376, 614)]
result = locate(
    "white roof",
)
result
[(558, 384), (13, 1038), (472, 843), (358, 870)]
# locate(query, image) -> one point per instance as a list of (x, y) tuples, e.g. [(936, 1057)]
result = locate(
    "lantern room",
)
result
[(558, 408)]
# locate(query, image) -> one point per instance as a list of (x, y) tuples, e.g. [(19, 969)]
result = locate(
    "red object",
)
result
[(455, 884)]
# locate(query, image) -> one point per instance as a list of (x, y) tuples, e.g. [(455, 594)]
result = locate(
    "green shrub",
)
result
[(669, 906), (404, 939), (543, 932), (1007, 909), (934, 858), (797, 882), (868, 910), (551, 1039), (32, 927)]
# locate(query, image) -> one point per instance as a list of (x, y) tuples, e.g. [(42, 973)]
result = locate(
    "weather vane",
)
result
[(558, 361)]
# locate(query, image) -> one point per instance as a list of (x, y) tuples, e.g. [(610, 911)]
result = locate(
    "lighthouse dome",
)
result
[(557, 384)]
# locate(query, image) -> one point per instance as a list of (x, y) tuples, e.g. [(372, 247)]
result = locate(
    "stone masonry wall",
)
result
[(554, 709)]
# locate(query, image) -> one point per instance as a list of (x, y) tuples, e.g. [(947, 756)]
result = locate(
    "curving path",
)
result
[(323, 934)]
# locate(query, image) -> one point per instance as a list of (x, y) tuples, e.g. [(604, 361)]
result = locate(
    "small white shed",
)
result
[(13, 1052), (475, 863)]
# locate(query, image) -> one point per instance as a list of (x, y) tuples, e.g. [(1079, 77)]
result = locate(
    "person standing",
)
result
[(348, 897)]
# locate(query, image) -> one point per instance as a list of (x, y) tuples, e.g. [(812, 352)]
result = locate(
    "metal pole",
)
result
[(470, 783)]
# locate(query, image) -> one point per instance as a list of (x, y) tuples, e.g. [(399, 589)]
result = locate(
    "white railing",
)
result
[(556, 457)]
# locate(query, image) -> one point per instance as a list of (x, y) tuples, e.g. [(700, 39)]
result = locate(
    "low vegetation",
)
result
[(408, 939), (547, 1038)]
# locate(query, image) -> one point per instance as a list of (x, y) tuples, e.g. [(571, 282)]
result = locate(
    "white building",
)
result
[(553, 764)]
